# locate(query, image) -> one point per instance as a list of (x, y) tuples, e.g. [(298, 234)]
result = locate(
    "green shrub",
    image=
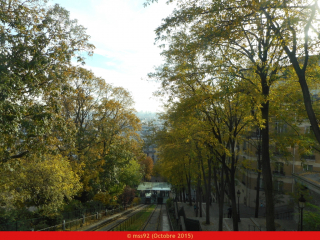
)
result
[(136, 200), (169, 203), (311, 219)]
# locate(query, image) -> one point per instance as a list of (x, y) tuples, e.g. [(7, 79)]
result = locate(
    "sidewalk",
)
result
[(248, 222)]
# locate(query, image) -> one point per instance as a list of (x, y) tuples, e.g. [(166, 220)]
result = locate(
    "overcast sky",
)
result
[(123, 34)]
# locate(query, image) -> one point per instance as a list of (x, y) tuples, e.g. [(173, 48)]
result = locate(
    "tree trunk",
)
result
[(256, 213), (197, 197), (232, 196), (208, 193), (184, 194), (200, 199), (190, 195), (207, 185), (308, 105), (220, 189), (266, 166)]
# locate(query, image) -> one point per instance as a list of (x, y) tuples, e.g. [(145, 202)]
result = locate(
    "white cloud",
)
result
[(123, 31), (141, 90)]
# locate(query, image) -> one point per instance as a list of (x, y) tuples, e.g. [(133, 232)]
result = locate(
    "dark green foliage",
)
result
[(311, 218)]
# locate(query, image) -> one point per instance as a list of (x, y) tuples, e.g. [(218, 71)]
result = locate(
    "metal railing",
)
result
[(76, 224), (35, 224), (254, 228), (169, 218), (284, 215), (81, 222)]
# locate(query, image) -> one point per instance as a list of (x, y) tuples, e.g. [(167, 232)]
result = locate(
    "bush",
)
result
[(169, 203), (12, 215), (103, 197), (136, 200), (73, 205), (311, 219)]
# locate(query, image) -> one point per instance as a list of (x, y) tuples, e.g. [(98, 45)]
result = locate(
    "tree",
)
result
[(147, 166), (130, 174), (127, 196), (233, 38), (175, 152), (56, 115), (289, 21), (43, 181), (37, 45), (105, 131)]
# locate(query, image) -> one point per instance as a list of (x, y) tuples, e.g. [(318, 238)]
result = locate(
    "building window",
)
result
[(280, 127), (278, 186), (277, 151), (278, 168), (307, 167)]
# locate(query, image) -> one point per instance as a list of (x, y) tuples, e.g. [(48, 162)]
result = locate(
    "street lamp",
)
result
[(302, 203), (238, 194)]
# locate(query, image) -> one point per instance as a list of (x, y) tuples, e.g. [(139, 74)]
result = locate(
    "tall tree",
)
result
[(234, 38), (105, 123), (37, 45), (290, 21)]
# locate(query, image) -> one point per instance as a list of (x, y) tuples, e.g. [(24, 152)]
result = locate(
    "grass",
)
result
[(138, 223)]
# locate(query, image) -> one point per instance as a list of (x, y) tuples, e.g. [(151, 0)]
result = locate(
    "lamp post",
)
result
[(238, 194), (302, 203)]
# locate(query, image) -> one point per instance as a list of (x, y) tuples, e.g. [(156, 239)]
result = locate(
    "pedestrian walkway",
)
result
[(165, 226), (248, 222)]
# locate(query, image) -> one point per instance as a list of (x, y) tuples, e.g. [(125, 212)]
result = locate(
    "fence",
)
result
[(80, 218), (191, 225), (288, 215), (284, 215), (256, 228)]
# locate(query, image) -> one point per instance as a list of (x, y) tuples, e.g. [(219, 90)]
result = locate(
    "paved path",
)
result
[(165, 221), (248, 223)]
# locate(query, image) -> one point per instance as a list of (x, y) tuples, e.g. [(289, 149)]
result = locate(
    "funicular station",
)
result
[(154, 192)]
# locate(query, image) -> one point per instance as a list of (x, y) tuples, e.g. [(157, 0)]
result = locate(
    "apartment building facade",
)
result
[(287, 166)]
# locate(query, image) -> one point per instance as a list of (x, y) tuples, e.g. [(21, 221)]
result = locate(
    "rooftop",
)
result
[(162, 186)]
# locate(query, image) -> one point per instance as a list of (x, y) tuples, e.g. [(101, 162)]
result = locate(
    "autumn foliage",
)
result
[(147, 167), (65, 133)]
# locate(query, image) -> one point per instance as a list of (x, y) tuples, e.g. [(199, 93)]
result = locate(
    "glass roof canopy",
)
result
[(155, 186)]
